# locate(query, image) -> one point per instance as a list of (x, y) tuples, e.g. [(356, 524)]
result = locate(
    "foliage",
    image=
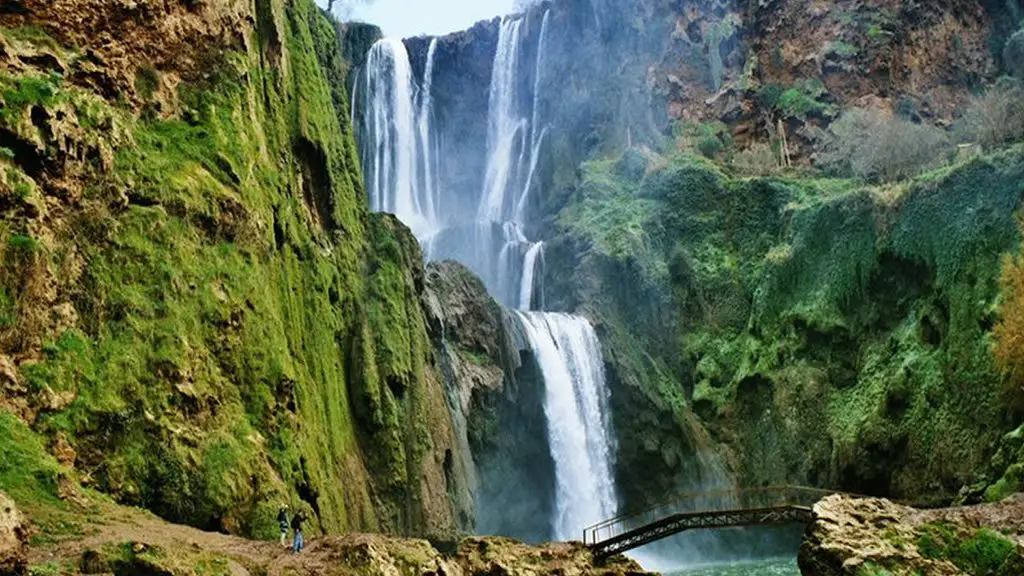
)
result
[(758, 159), (803, 99), (869, 144), (984, 553), (996, 117), (1009, 332), (1013, 54)]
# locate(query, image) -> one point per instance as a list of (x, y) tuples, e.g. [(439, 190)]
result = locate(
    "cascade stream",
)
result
[(486, 232)]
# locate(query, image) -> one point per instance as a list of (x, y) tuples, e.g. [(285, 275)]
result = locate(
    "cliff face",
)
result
[(197, 313)]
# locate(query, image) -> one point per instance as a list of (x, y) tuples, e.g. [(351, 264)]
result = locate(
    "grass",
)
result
[(27, 472)]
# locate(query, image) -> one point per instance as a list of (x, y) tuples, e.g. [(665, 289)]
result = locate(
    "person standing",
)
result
[(282, 522), (297, 542)]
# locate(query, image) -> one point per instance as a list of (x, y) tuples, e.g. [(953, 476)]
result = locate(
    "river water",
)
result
[(773, 567)]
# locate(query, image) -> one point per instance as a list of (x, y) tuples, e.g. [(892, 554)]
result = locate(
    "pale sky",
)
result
[(405, 18)]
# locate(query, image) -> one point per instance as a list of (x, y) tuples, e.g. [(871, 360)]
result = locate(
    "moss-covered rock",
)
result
[(194, 297), (813, 331)]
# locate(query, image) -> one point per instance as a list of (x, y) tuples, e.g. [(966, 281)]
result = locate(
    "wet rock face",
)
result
[(497, 392), (13, 537), (851, 537)]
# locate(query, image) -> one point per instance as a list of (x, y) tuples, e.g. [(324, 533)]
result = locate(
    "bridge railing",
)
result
[(708, 501)]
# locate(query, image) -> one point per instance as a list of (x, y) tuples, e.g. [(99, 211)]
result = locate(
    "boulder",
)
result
[(13, 538), (854, 536)]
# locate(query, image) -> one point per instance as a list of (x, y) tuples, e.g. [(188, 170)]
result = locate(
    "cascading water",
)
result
[(391, 151), (402, 174), (576, 406)]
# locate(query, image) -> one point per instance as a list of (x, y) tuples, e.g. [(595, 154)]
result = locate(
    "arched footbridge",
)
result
[(768, 506)]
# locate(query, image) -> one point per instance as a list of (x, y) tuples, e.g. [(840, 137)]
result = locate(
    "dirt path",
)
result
[(109, 524)]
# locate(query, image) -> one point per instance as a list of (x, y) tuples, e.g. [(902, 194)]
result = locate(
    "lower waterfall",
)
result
[(576, 407)]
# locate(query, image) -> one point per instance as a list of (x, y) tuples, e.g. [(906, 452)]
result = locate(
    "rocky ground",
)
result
[(95, 536), (868, 536)]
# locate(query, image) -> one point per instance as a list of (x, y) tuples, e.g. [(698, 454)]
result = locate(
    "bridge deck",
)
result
[(721, 509)]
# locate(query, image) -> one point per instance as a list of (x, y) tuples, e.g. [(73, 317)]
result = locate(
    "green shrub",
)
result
[(869, 144), (996, 117), (1013, 54), (6, 153), (803, 100), (147, 80), (842, 49), (710, 146), (23, 243), (759, 159), (985, 554)]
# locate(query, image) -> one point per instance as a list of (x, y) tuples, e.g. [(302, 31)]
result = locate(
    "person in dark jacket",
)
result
[(282, 522), (297, 542)]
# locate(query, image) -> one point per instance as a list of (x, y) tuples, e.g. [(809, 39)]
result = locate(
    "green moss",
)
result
[(19, 93), (27, 472), (1011, 483), (984, 553)]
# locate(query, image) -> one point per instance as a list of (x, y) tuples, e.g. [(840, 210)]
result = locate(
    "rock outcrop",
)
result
[(13, 538), (497, 392), (852, 537)]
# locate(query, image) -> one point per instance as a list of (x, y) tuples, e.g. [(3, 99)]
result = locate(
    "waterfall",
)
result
[(400, 152), (506, 130), (391, 151), (430, 191), (576, 407), (529, 269)]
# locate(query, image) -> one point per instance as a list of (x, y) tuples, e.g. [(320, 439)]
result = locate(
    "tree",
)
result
[(1013, 54)]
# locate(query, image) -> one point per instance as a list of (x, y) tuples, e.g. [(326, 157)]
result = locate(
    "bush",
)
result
[(997, 116), (870, 144), (757, 160), (804, 99), (1013, 54)]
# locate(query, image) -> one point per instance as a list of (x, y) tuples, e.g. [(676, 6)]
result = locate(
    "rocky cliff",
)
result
[(197, 313)]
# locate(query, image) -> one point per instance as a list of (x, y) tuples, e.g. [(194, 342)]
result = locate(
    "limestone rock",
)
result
[(850, 535), (13, 537), (480, 556)]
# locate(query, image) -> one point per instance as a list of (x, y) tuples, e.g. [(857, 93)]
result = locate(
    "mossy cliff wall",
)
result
[(197, 312), (817, 332)]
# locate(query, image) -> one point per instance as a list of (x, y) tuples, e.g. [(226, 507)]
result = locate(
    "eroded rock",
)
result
[(853, 536), (13, 537)]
